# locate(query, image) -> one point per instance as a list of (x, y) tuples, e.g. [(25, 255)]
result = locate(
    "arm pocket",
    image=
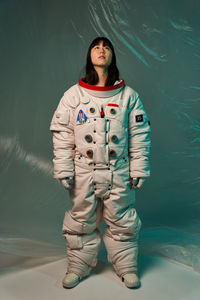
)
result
[(139, 122), (139, 117), (59, 121), (62, 117)]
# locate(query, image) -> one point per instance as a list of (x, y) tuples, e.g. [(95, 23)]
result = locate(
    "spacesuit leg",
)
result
[(80, 225), (121, 235)]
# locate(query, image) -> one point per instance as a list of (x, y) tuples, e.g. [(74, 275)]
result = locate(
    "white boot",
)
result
[(70, 280), (131, 280)]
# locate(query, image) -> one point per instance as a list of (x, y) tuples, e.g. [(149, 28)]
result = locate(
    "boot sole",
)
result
[(132, 286), (69, 286)]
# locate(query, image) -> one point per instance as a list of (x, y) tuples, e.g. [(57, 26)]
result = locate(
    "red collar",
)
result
[(101, 88)]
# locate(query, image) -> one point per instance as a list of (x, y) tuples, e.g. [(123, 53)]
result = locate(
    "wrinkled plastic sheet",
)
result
[(44, 46)]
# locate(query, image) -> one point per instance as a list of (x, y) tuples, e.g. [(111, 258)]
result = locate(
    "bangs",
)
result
[(98, 40)]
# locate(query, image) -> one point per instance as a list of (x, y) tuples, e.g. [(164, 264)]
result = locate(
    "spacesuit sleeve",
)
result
[(63, 141), (139, 141)]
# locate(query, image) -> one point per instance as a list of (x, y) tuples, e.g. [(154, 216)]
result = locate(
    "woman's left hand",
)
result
[(137, 183)]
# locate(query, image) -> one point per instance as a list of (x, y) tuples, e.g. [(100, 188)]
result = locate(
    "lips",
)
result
[(101, 56)]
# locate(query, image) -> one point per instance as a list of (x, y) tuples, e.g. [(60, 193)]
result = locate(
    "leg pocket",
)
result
[(74, 241)]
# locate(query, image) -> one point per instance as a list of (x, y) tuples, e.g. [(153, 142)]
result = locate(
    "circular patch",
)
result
[(113, 111), (89, 153), (88, 138), (92, 110), (114, 138), (112, 153)]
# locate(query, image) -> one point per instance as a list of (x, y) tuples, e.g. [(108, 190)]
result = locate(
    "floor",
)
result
[(28, 278)]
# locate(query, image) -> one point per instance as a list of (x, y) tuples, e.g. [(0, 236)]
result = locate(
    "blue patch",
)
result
[(81, 118)]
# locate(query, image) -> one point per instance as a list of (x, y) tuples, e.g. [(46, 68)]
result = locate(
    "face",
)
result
[(101, 55)]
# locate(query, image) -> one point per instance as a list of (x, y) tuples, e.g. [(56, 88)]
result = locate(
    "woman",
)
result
[(101, 155)]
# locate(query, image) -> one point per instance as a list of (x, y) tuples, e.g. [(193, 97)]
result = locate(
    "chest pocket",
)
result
[(84, 127), (112, 111), (85, 112), (118, 128), (92, 110)]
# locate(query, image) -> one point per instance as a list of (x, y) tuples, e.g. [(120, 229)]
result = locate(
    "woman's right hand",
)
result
[(67, 182), (136, 183)]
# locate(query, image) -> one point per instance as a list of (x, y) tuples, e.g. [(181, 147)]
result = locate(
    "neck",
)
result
[(102, 74)]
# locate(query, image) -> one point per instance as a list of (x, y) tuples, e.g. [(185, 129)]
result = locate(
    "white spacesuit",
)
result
[(100, 137)]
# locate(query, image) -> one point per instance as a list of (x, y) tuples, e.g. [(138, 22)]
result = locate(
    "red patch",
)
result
[(102, 112), (112, 104), (112, 152)]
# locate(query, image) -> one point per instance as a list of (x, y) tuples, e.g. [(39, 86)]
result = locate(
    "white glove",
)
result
[(67, 182), (136, 183)]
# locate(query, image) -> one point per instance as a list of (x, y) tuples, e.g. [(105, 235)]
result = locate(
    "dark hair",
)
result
[(91, 76)]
